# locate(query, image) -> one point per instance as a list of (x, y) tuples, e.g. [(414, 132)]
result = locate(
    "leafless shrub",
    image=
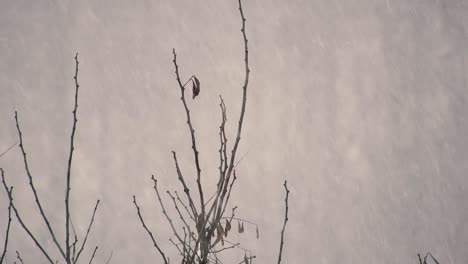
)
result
[(71, 250), (205, 226)]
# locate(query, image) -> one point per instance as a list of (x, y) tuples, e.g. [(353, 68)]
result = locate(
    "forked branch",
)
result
[(20, 220), (65, 250)]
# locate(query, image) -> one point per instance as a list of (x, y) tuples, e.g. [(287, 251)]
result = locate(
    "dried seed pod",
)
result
[(195, 87), (220, 230), (258, 234), (227, 228), (241, 229)]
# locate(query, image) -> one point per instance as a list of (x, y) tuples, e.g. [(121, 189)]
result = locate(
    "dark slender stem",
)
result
[(5, 245), (164, 209), (435, 260), (33, 188), (249, 258), (186, 208), (184, 185), (225, 248), (6, 151), (220, 210), (94, 253), (149, 232), (192, 133), (285, 220), (244, 90), (75, 241), (239, 219), (110, 257), (87, 232), (182, 218), (72, 139), (19, 257), (10, 197)]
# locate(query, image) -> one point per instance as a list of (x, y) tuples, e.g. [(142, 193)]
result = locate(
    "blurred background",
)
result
[(361, 105)]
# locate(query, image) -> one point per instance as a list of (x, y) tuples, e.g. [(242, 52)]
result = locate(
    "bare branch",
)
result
[(225, 248), (72, 139), (5, 245), (164, 209), (6, 151), (180, 213), (87, 232), (435, 260), (207, 220), (19, 257), (177, 246), (244, 89), (249, 259), (149, 232), (75, 241), (192, 132), (110, 257), (186, 189), (92, 257), (220, 210), (33, 188), (285, 220), (10, 196), (229, 193), (182, 203), (239, 219)]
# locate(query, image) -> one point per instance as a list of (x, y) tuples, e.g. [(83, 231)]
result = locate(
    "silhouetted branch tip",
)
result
[(286, 200), (148, 231)]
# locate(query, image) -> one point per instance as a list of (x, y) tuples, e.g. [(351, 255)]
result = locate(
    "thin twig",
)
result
[(225, 248), (10, 196), (92, 257), (250, 258), (238, 246), (72, 139), (33, 188), (285, 220), (164, 209), (229, 193), (75, 241), (192, 133), (182, 203), (179, 212), (239, 161), (149, 232), (244, 89), (110, 257), (241, 117), (6, 151), (5, 245), (87, 232), (186, 189), (19, 257), (239, 219), (435, 260)]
